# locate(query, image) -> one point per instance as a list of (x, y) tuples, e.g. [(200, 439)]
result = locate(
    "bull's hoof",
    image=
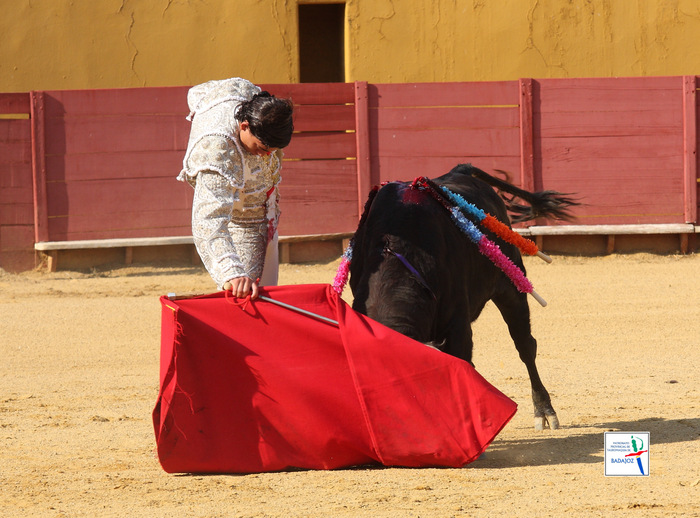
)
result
[(554, 422), (550, 421)]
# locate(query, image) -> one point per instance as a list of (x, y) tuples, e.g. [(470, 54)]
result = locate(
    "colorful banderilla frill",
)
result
[(341, 276), (486, 247), (494, 225)]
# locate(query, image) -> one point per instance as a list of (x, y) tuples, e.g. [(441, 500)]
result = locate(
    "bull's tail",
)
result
[(540, 204)]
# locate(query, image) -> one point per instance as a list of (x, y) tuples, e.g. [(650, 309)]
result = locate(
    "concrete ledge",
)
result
[(112, 243), (574, 230), (310, 247), (161, 241), (615, 234), (286, 246)]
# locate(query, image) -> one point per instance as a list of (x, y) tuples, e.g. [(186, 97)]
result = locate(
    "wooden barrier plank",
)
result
[(101, 206), (113, 165), (321, 145), (608, 94), (430, 118), (15, 194), (133, 217), (106, 226), (319, 217), (313, 93), (127, 134), (332, 169), (324, 117), (15, 103), (15, 147), (606, 123), (447, 142), (173, 99), (487, 93), (86, 244), (13, 130), (16, 208), (572, 230), (14, 152), (16, 175), (631, 147), (14, 238), (407, 168), (115, 196), (120, 102), (318, 180)]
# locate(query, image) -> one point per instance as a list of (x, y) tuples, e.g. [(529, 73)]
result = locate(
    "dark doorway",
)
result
[(321, 43)]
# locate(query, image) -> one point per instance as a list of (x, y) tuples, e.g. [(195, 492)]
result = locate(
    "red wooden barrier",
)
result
[(617, 143), (319, 192), (110, 161), (425, 129), (16, 193), (101, 164), (112, 157)]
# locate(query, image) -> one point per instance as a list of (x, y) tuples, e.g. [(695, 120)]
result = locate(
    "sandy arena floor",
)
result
[(619, 350)]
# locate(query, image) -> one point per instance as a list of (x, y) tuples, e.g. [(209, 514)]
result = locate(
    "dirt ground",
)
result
[(619, 350)]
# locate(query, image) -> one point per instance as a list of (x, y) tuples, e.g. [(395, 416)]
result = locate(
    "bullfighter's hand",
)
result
[(242, 286)]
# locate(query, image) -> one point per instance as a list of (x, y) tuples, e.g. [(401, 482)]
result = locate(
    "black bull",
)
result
[(416, 272)]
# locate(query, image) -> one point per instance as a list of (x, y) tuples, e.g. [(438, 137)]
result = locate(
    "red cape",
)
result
[(265, 388)]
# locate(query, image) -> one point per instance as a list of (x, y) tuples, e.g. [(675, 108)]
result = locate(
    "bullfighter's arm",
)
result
[(211, 213)]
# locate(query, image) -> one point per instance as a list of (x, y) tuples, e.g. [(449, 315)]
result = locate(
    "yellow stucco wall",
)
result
[(66, 44), (476, 40)]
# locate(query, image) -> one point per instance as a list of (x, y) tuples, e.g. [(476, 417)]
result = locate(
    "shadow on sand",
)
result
[(569, 446)]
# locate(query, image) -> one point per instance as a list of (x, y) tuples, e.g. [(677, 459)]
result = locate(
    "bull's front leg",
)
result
[(516, 313), (545, 416), (458, 338)]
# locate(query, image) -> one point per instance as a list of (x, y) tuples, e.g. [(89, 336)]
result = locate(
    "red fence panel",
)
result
[(16, 192), (615, 142), (318, 193), (425, 129), (112, 157)]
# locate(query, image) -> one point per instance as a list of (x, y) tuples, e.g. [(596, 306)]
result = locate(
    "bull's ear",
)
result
[(368, 205)]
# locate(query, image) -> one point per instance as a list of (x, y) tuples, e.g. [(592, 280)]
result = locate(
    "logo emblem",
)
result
[(627, 454)]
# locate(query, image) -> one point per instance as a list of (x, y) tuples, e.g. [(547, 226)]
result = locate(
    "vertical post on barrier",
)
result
[(364, 174), (38, 132), (527, 158), (690, 144)]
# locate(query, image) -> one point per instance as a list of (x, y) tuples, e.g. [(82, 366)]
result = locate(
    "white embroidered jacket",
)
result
[(236, 200)]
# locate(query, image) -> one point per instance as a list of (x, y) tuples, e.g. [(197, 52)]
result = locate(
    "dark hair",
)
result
[(270, 119)]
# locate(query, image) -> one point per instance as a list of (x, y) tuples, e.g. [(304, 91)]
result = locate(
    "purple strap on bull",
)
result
[(411, 269)]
